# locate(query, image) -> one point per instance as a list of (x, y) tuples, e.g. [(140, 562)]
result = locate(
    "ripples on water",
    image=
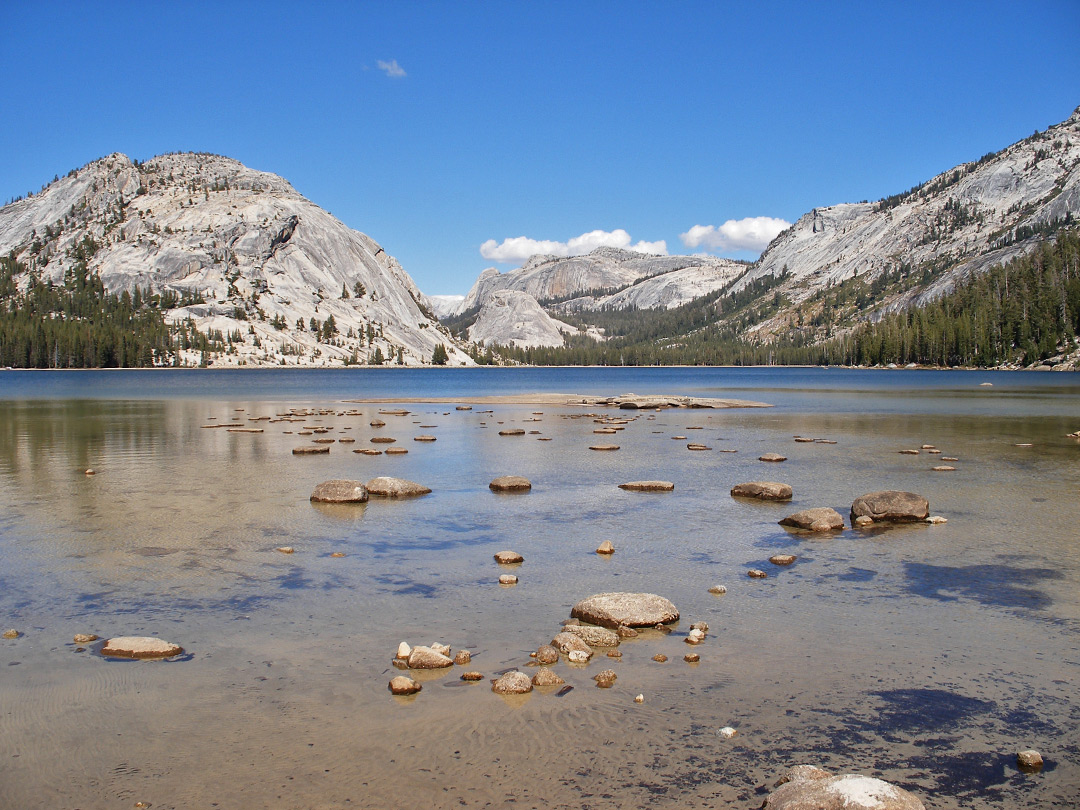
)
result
[(924, 654)]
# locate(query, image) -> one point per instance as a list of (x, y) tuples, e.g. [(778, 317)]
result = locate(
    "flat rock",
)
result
[(386, 487), (594, 636), (510, 483), (424, 438), (340, 490), (604, 447), (844, 792), (508, 558), (756, 573), (512, 683), (762, 490), (648, 486), (820, 518), (512, 432), (396, 451), (404, 685), (943, 468), (629, 609), (697, 446), (472, 676), (84, 638), (892, 506), (311, 450), (508, 579), (427, 658), (382, 440), (140, 647), (772, 457), (782, 559)]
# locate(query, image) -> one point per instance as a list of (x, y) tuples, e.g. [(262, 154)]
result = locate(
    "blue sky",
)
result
[(438, 127)]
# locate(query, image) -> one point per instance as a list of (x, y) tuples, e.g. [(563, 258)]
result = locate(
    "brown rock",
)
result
[(648, 486), (605, 679), (1029, 761), (424, 438), (697, 446), (369, 451), (594, 636), (660, 658), (472, 676), (403, 685), (782, 559), (547, 677), (386, 487), (772, 457), (604, 447), (630, 609), (762, 490), (512, 432), (691, 658), (311, 450), (508, 579), (510, 483), (820, 518), (606, 547), (340, 491), (567, 643), (140, 647), (547, 654), (376, 423), (427, 658), (943, 468), (462, 658), (382, 440), (756, 573), (512, 683), (891, 506), (9, 634), (84, 638), (508, 558)]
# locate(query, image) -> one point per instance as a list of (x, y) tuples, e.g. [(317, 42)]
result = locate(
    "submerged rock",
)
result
[(762, 490), (594, 636), (891, 506), (630, 609), (648, 486), (340, 491)]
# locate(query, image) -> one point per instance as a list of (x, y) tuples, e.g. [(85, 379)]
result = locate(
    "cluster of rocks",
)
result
[(886, 506)]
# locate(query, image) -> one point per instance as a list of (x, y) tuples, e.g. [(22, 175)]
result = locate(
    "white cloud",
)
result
[(392, 69), (751, 233), (517, 249)]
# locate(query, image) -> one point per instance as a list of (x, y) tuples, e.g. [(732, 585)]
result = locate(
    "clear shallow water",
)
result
[(926, 654)]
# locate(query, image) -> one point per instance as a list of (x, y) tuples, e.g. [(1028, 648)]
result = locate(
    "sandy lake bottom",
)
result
[(925, 655)]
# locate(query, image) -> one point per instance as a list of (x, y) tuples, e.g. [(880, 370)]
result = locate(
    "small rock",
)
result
[(566, 642), (863, 521), (463, 408), (443, 649), (377, 423), (756, 573), (285, 549), (691, 658), (908, 452), (423, 438), (508, 579), (140, 647), (84, 638), (782, 559), (928, 447), (727, 732), (547, 654), (11, 633), (639, 699), (403, 650), (90, 472), (512, 683), (400, 663), (510, 483), (718, 590), (578, 657), (547, 677), (762, 490), (695, 637), (697, 446), (462, 658), (396, 451), (626, 632), (604, 447), (337, 554), (702, 626), (660, 657), (605, 679), (512, 432), (1029, 761), (472, 676), (607, 547), (614, 654), (594, 636), (508, 558), (825, 517), (772, 457), (404, 685), (427, 658), (943, 468), (311, 450), (949, 458), (936, 519)]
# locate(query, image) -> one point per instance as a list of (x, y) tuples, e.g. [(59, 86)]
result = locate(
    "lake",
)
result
[(927, 655)]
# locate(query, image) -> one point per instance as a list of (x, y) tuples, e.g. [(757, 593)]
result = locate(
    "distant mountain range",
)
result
[(238, 253)]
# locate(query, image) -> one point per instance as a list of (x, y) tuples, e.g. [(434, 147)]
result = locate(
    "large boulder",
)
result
[(340, 491), (818, 519), (891, 506), (762, 490), (814, 789), (386, 487), (630, 609)]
